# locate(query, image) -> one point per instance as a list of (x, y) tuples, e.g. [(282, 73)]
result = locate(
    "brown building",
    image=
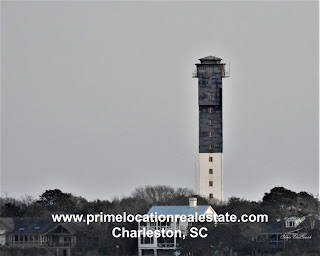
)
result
[(58, 239)]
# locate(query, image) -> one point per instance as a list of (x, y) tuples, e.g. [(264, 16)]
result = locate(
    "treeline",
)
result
[(279, 204), (56, 201), (100, 239), (246, 239)]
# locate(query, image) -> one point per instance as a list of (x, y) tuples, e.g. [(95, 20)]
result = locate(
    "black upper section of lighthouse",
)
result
[(210, 72)]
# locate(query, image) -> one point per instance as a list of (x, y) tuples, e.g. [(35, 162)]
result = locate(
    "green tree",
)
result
[(57, 201)]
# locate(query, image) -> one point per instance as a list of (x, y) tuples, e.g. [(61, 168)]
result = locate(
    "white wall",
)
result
[(2, 239), (217, 177)]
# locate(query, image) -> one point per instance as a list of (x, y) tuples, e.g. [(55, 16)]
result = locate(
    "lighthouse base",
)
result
[(211, 176)]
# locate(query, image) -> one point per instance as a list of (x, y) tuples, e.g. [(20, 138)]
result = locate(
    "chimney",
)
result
[(192, 202)]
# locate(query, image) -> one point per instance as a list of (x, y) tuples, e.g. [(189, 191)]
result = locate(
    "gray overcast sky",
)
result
[(98, 97)]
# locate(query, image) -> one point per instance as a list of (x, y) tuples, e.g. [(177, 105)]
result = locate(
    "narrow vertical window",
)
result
[(210, 158), (210, 171), (210, 110), (210, 183), (210, 122), (210, 134), (211, 196)]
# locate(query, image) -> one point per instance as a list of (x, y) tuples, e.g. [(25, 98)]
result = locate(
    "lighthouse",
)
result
[(210, 72)]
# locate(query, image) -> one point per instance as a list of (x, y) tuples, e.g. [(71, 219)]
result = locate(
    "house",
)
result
[(294, 226), (162, 245), (23, 233), (6, 224)]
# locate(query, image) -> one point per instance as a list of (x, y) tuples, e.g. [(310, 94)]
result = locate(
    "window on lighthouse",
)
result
[(210, 171), (210, 122), (210, 134), (209, 97), (211, 195), (210, 183), (210, 158), (210, 110)]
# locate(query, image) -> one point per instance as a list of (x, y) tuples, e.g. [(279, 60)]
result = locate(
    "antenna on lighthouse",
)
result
[(195, 176)]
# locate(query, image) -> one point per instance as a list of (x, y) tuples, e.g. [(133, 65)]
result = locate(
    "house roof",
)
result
[(304, 225), (180, 210), (6, 223), (37, 226), (293, 218), (278, 230)]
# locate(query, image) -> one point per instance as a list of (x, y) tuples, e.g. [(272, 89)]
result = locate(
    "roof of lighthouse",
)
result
[(210, 58)]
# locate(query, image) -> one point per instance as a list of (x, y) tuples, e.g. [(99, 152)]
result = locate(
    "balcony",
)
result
[(166, 245), (225, 72), (160, 227), (194, 74)]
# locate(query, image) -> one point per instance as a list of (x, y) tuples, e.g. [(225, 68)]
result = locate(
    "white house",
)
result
[(294, 221), (161, 244)]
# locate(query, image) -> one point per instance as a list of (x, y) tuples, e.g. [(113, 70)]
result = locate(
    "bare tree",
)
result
[(160, 194)]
